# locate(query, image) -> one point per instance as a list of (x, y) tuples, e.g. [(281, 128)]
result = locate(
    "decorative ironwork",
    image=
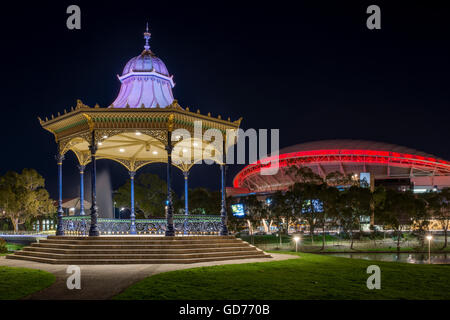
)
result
[(192, 224)]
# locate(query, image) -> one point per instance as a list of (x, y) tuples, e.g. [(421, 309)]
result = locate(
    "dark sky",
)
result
[(312, 69)]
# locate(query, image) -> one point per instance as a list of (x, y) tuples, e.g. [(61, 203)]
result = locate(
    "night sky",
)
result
[(313, 70)]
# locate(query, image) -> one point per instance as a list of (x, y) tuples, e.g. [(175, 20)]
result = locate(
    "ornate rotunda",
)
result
[(144, 125)]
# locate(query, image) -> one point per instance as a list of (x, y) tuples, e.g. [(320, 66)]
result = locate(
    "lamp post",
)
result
[(429, 237), (296, 239)]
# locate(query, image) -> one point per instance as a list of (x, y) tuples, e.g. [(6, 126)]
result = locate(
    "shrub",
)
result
[(3, 247)]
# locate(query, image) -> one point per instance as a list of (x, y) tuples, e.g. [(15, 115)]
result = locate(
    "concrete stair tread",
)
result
[(169, 242), (140, 255), (135, 261), (140, 237), (113, 250), (137, 250), (135, 246)]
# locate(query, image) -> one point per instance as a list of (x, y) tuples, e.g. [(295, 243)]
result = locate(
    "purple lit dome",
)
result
[(146, 61), (146, 83)]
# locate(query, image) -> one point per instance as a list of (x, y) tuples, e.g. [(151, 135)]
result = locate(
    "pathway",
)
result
[(105, 281)]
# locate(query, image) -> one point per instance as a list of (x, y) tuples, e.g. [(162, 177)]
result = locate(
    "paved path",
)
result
[(105, 281)]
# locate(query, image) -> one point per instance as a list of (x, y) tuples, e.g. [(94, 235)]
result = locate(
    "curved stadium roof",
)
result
[(383, 160), (349, 144)]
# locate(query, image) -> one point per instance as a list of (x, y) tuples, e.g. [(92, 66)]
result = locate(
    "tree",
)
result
[(23, 196), (293, 199), (397, 211), (439, 206), (329, 197), (305, 175), (318, 195), (420, 217), (203, 201), (311, 206), (277, 210), (255, 211), (353, 203), (305, 193), (150, 195)]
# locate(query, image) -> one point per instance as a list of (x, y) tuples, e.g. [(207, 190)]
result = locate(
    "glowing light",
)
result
[(100, 143), (177, 137), (296, 239), (344, 155), (155, 152), (105, 137), (184, 150), (195, 144), (138, 133), (122, 150), (429, 238)]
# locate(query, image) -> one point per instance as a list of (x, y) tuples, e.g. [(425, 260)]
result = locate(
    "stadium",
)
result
[(386, 164)]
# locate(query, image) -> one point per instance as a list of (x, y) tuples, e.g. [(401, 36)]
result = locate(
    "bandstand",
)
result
[(144, 125)]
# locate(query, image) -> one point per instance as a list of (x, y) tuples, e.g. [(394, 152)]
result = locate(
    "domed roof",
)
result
[(146, 82), (349, 144), (145, 62)]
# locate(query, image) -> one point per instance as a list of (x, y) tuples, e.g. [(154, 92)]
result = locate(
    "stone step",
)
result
[(136, 246), (153, 256), (139, 237), (133, 261), (143, 241), (125, 251), (137, 250), (28, 258)]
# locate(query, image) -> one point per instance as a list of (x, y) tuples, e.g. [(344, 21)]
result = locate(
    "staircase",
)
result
[(79, 250)]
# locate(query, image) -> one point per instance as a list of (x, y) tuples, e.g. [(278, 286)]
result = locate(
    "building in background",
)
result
[(384, 164), (377, 163)]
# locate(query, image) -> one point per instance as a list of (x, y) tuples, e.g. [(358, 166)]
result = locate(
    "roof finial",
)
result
[(147, 37)]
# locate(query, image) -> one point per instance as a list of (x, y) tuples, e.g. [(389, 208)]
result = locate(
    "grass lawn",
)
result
[(11, 248), (16, 283), (309, 277)]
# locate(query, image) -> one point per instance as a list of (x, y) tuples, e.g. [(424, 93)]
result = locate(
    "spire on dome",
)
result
[(145, 81), (147, 36)]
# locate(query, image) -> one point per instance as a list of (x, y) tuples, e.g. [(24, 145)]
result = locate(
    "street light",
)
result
[(296, 239), (429, 237)]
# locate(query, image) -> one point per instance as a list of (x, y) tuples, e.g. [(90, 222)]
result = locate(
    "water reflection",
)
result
[(417, 258)]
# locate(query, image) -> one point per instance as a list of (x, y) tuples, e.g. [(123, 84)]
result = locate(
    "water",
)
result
[(417, 258)]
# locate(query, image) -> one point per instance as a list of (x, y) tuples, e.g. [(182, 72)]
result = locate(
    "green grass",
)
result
[(11, 248), (16, 283), (310, 277)]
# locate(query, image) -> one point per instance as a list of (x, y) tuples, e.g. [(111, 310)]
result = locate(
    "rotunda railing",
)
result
[(190, 225)]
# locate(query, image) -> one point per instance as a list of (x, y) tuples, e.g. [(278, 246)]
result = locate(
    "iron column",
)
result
[(59, 227), (186, 207), (132, 215), (93, 230), (170, 232), (81, 168), (223, 210)]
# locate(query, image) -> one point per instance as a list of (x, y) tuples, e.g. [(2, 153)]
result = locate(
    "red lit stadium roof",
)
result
[(347, 156)]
